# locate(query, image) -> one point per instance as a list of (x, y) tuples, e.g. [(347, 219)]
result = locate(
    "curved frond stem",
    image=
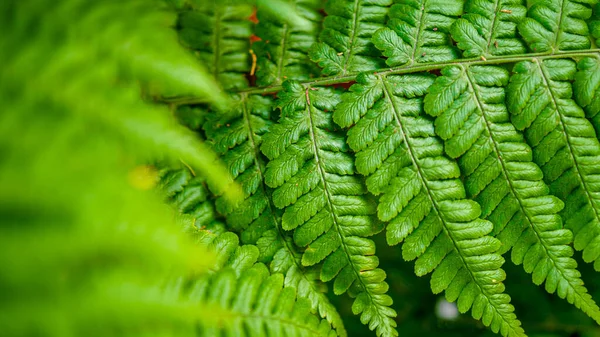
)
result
[(415, 68)]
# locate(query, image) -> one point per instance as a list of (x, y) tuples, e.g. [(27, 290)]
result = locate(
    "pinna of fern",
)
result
[(324, 202), (237, 136)]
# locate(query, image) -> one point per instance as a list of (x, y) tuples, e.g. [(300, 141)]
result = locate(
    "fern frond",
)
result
[(587, 89), (500, 174), (237, 135), (219, 34), (346, 37), (489, 28), (564, 144), (418, 32), (283, 52), (255, 303), (554, 25), (324, 203), (422, 199)]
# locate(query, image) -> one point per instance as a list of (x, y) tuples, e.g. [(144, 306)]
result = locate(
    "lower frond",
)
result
[(255, 303), (422, 198), (500, 174), (324, 203)]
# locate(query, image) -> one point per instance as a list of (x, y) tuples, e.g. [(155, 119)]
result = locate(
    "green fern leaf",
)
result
[(564, 144), (418, 32), (346, 37), (283, 52), (587, 89), (489, 28), (500, 175), (324, 203), (237, 135), (256, 304), (219, 34), (423, 200), (554, 25)]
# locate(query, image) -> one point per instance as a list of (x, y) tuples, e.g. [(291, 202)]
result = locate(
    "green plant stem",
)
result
[(414, 68)]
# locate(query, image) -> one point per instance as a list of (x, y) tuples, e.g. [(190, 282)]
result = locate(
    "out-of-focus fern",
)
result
[(81, 253)]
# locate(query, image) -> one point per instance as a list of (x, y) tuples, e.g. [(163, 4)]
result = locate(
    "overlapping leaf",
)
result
[(500, 174), (237, 135), (489, 28), (422, 198), (346, 37), (418, 32), (564, 144), (554, 25), (324, 203), (283, 51)]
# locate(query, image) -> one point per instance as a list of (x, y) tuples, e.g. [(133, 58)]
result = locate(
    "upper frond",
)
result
[(219, 34), (554, 25), (564, 144), (346, 37), (418, 32), (237, 136), (587, 89), (489, 27), (422, 198), (500, 174), (283, 51), (324, 203)]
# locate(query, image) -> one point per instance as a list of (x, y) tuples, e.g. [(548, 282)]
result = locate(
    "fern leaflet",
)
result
[(252, 301), (346, 37), (418, 32), (587, 89), (501, 176), (219, 35), (554, 25), (489, 28), (237, 135), (564, 144), (312, 174), (283, 52), (422, 198)]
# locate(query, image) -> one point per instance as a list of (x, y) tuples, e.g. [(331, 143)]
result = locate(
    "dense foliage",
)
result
[(307, 149)]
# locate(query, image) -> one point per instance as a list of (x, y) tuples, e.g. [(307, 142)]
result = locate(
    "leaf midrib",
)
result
[(416, 165), (509, 181), (271, 205)]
